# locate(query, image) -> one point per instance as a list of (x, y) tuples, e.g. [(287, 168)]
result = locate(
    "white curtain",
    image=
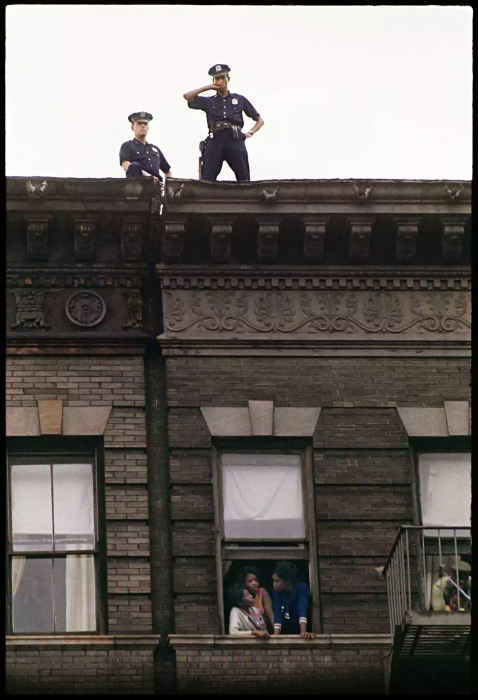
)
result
[(58, 516), (262, 496), (445, 490), (80, 593), (31, 506), (18, 567)]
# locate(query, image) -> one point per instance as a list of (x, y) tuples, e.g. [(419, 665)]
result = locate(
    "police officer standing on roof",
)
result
[(225, 121), (138, 158)]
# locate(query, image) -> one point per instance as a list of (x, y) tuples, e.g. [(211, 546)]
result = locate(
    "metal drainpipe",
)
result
[(161, 558)]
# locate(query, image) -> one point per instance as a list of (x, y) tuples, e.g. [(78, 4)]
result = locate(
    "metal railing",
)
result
[(420, 557)]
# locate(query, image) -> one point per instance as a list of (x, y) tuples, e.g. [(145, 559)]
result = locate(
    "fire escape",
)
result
[(430, 648)]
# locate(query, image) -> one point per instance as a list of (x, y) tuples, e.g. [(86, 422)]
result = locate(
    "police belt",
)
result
[(219, 126)]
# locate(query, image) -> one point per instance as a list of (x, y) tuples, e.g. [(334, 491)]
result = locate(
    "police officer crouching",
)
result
[(225, 121), (138, 158)]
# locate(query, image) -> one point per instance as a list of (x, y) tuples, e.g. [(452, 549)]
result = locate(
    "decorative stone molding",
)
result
[(173, 241), (267, 238), (22, 421), (37, 237), (283, 641), (314, 236), (454, 192), (84, 246), (452, 239), (406, 241), (269, 195), (362, 191), (36, 191), (50, 414), (112, 278), (134, 308), (85, 420), (261, 418), (85, 309), (132, 190), (360, 237), (221, 239), (82, 641), (310, 278), (317, 313), (261, 414), (131, 240), (29, 312), (451, 420), (51, 418)]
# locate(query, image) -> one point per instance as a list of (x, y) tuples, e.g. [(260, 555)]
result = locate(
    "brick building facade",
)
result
[(323, 319)]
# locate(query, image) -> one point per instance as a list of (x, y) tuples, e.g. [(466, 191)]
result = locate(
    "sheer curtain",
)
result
[(262, 496), (73, 500), (445, 490), (57, 515)]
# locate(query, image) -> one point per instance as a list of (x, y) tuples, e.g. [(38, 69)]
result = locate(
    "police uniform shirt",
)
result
[(225, 109), (147, 155)]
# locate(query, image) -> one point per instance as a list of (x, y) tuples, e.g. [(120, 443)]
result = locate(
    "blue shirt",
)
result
[(225, 109), (290, 608), (146, 154)]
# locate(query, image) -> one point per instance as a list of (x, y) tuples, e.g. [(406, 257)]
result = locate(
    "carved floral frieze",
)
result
[(314, 312)]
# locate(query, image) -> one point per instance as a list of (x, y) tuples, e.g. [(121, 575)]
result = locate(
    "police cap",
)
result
[(142, 116), (219, 69)]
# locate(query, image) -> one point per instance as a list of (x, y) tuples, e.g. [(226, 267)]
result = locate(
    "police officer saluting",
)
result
[(225, 121), (138, 158)]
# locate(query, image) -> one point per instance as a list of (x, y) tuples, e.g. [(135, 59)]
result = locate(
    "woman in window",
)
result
[(245, 619), (291, 601), (249, 577)]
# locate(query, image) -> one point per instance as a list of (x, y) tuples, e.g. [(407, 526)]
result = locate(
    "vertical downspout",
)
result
[(159, 491), (162, 594)]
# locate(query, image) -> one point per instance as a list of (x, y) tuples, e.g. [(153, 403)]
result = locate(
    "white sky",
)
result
[(345, 92)]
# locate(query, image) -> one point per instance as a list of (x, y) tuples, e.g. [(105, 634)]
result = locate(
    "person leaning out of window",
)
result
[(245, 620), (444, 592), (290, 599), (249, 578)]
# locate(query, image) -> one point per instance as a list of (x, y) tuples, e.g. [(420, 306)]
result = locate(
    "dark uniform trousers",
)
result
[(224, 147)]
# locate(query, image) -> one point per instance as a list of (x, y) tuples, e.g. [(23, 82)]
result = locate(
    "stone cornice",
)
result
[(275, 347), (98, 641), (320, 196), (31, 194), (308, 277), (320, 641)]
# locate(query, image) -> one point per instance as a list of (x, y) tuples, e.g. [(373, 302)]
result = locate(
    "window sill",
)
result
[(98, 641), (320, 641)]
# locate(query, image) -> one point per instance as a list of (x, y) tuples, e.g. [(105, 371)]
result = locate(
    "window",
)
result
[(444, 480), (265, 513), (445, 488), (53, 547)]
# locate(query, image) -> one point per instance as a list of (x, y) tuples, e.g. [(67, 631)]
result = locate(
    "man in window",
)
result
[(290, 600), (444, 593)]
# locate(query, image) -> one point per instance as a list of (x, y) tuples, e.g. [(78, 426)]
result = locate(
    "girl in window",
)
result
[(245, 619), (249, 577)]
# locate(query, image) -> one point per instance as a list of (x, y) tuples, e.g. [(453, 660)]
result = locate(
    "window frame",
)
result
[(429, 446), (61, 449), (307, 552)]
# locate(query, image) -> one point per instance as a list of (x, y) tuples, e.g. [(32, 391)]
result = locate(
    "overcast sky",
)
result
[(345, 92)]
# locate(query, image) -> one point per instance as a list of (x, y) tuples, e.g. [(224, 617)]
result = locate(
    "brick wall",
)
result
[(99, 381), (361, 467), (295, 670), (74, 671)]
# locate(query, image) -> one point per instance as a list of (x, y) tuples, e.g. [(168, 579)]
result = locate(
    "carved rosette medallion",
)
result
[(85, 309)]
